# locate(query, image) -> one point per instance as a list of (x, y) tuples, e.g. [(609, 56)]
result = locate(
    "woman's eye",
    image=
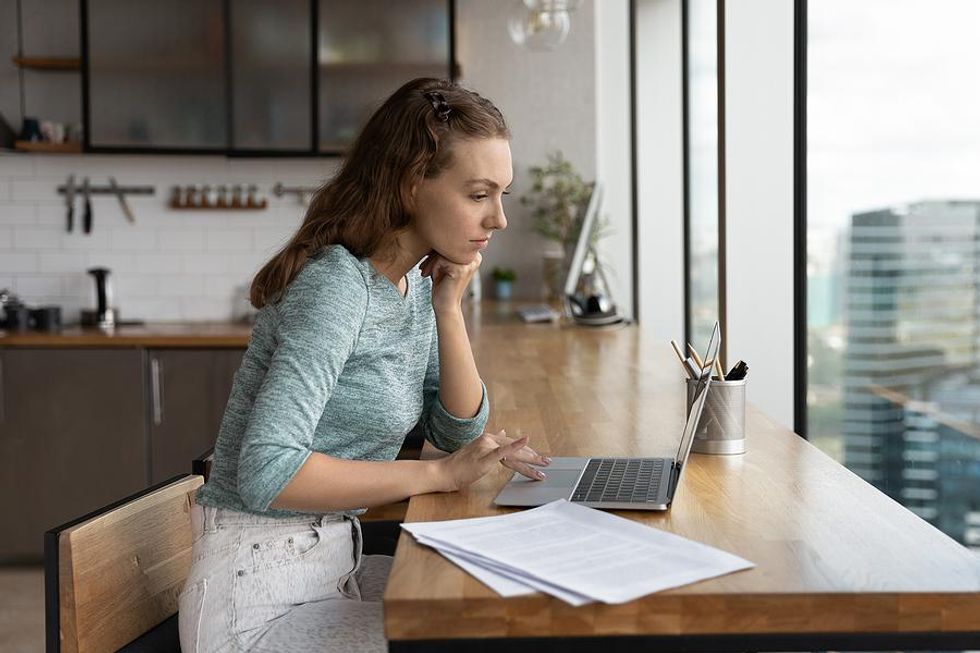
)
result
[(477, 198)]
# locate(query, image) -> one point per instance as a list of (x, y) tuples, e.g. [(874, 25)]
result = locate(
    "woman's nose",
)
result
[(498, 220)]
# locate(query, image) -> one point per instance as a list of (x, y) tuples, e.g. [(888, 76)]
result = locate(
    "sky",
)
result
[(893, 102)]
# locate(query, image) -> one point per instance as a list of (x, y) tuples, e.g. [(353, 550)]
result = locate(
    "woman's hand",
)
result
[(449, 280), (465, 466), (522, 460)]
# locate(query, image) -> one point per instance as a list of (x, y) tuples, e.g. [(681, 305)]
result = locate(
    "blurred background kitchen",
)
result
[(153, 155), (220, 102)]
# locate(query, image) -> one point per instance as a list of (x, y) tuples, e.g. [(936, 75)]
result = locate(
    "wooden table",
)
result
[(839, 564)]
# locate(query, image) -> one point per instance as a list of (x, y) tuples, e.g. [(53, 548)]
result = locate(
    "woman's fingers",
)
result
[(426, 267), (505, 450), (525, 455), (525, 470), (530, 456)]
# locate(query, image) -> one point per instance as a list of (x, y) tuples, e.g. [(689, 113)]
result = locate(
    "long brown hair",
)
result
[(407, 139)]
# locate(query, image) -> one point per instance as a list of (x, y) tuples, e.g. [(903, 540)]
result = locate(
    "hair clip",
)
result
[(439, 105)]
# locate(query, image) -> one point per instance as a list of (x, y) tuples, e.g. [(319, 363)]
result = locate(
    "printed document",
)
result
[(575, 553)]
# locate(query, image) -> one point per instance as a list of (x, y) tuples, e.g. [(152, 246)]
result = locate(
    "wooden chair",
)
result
[(112, 577)]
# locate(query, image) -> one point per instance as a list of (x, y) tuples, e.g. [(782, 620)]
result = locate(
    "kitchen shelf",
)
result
[(51, 148), (48, 63)]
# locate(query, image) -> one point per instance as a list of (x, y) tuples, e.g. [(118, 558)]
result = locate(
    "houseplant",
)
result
[(558, 200), (503, 282)]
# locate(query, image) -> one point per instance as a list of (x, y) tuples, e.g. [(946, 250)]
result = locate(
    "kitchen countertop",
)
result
[(223, 334), (159, 334)]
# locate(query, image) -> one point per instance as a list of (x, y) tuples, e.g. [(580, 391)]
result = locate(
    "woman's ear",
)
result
[(409, 193)]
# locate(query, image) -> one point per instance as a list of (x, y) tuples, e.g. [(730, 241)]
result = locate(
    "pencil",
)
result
[(694, 355), (677, 350), (680, 357), (721, 374)]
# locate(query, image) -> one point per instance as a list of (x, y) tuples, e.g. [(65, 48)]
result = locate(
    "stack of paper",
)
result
[(574, 553)]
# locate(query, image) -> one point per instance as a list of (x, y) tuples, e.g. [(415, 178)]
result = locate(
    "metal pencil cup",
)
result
[(722, 426)]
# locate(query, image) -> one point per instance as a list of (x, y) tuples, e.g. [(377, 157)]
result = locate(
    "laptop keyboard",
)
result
[(633, 480)]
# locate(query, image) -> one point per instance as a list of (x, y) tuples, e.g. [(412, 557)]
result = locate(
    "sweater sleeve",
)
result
[(320, 316), (440, 427)]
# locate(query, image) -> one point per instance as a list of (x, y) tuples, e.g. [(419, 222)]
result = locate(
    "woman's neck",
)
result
[(395, 260)]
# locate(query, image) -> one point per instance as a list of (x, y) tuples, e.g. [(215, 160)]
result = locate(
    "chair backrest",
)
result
[(202, 464), (116, 573)]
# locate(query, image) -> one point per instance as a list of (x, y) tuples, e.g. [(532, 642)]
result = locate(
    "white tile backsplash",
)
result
[(21, 166), (187, 239), (32, 189), (14, 262), (170, 265), (21, 213), (49, 286), (182, 285), (162, 264), (231, 240), (66, 262), (37, 238), (95, 240), (133, 239)]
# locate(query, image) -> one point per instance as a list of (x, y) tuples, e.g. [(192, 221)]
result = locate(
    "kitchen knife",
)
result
[(122, 200), (70, 201), (87, 211)]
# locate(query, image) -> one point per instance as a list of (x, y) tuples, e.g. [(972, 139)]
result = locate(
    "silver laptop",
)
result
[(616, 483)]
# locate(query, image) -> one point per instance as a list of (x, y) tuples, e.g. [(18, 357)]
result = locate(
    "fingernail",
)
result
[(541, 474), (547, 461)]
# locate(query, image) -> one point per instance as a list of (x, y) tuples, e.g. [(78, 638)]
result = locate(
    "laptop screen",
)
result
[(700, 395)]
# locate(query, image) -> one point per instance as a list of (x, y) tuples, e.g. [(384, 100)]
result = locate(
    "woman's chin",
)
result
[(461, 258)]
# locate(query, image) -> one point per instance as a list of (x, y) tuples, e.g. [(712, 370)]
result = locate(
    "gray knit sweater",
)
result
[(343, 365)]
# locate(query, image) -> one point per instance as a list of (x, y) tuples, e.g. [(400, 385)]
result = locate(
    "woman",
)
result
[(354, 345)]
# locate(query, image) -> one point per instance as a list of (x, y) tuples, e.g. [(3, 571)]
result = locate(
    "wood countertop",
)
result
[(194, 334), (160, 334), (833, 554)]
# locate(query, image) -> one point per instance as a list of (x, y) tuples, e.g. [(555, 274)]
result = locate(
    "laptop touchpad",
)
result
[(522, 491), (553, 478)]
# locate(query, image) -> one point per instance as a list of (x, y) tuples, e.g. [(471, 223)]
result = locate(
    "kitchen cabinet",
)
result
[(81, 428), (188, 391), (369, 48), (72, 438), (155, 74), (250, 77), (270, 61)]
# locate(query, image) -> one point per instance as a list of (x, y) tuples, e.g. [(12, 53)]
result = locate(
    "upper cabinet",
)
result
[(366, 50), (243, 76), (155, 74), (271, 84)]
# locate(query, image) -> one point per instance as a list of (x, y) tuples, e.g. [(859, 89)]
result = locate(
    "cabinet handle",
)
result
[(156, 381)]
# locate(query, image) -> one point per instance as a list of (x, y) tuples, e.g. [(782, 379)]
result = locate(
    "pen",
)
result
[(680, 357), (738, 372)]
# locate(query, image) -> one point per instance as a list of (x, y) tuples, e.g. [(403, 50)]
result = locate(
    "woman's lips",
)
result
[(482, 243)]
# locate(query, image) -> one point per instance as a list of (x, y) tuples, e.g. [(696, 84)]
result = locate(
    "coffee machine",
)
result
[(104, 316)]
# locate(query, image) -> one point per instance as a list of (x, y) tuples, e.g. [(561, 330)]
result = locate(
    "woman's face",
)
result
[(457, 212)]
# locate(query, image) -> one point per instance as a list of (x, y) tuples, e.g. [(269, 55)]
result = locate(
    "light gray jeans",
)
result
[(266, 584)]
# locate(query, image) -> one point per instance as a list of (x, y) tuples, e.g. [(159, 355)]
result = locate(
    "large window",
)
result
[(893, 250), (702, 167)]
